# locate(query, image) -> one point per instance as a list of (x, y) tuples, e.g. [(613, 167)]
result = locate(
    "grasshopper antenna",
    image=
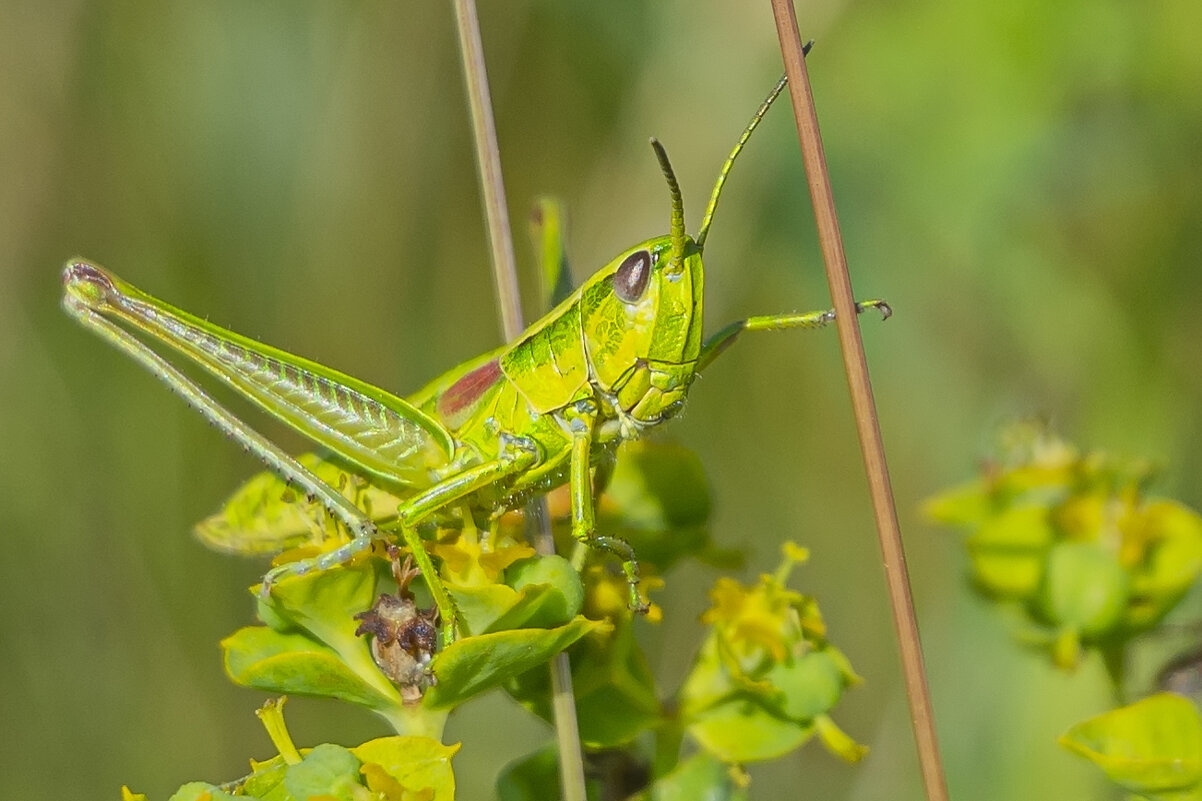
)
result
[(677, 231), (738, 148)]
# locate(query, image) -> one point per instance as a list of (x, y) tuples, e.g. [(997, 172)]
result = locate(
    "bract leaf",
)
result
[(614, 689), (1008, 551), (202, 791), (540, 592), (743, 728), (811, 684), (266, 515), (553, 588), (700, 776), (1085, 589), (472, 665), (1152, 747), (1173, 533), (328, 771), (733, 719), (267, 781), (966, 505), (417, 764), (533, 777), (324, 605), (265, 659)]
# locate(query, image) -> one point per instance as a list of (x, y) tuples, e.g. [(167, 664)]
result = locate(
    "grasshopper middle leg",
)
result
[(581, 420)]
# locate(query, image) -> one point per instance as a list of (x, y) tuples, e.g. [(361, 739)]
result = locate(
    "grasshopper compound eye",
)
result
[(631, 278)]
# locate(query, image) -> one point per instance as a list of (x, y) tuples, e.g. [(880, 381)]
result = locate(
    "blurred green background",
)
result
[(1020, 179)]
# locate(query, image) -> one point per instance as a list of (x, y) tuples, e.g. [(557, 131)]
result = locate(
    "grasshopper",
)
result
[(612, 360)]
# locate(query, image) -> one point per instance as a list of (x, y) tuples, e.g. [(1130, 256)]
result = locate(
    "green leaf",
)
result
[(837, 741), (699, 778), (744, 728), (541, 592), (329, 771), (1152, 747), (740, 720), (547, 224), (325, 602), (659, 485), (1085, 588), (472, 665), (534, 777), (553, 592), (323, 605), (265, 659), (1083, 596), (267, 781), (1008, 551), (1172, 564), (415, 763), (202, 791), (480, 607), (966, 505), (811, 685), (731, 721)]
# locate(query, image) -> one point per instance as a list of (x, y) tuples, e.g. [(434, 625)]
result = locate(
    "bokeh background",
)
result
[(1021, 180)]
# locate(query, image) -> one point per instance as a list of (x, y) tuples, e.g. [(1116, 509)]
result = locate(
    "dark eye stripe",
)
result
[(631, 278)]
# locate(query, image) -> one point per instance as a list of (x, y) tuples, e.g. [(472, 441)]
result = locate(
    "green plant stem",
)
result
[(488, 158), (855, 364)]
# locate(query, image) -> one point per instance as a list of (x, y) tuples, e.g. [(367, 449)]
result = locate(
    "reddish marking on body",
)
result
[(468, 389)]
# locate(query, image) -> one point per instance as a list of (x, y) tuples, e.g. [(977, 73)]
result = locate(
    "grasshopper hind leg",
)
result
[(280, 462)]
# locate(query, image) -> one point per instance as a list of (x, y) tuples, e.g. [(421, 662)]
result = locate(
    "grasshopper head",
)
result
[(642, 313), (642, 320), (641, 317)]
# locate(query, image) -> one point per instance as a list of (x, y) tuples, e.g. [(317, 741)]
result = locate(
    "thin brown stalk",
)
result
[(488, 159), (863, 405)]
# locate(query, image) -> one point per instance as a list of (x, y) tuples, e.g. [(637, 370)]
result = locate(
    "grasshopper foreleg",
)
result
[(719, 342), (581, 419)]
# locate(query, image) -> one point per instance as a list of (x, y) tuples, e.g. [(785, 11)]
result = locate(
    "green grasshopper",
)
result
[(612, 360)]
